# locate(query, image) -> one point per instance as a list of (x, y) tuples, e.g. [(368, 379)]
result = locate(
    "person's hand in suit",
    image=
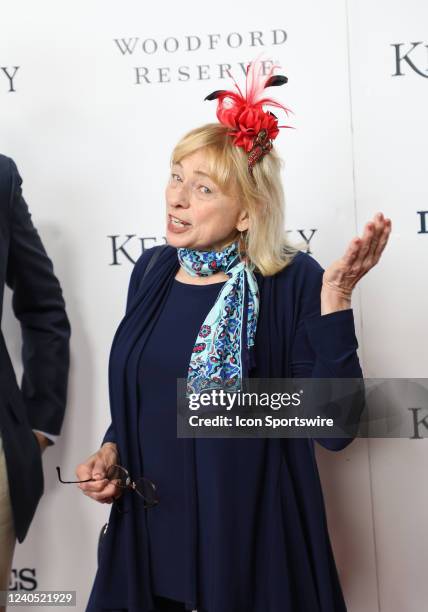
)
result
[(42, 440), (101, 490), (39, 399), (39, 306)]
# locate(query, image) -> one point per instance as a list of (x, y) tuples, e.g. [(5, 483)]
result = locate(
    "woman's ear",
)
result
[(243, 221)]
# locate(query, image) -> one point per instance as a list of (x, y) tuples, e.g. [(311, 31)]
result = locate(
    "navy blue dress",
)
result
[(163, 453)]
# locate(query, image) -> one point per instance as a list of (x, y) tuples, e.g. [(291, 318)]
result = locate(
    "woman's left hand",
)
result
[(362, 254)]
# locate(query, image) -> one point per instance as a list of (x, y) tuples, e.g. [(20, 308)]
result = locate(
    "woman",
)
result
[(240, 525)]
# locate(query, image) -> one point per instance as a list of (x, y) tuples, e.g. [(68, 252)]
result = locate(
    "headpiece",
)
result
[(252, 128)]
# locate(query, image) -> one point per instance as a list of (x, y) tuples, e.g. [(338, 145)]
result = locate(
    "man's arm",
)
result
[(39, 306)]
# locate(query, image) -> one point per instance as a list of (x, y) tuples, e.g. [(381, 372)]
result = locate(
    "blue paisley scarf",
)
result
[(229, 328)]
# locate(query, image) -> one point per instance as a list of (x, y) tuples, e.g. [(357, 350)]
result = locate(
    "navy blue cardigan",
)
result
[(265, 547)]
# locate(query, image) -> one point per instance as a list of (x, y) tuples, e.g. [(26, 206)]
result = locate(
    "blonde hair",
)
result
[(265, 243)]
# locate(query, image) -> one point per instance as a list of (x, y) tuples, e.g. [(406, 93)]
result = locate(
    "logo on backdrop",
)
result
[(8, 78), (165, 48), (127, 248), (423, 221), (23, 579), (418, 421), (410, 57)]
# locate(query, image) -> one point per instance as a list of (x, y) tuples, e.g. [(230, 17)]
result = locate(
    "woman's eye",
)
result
[(175, 177), (204, 187)]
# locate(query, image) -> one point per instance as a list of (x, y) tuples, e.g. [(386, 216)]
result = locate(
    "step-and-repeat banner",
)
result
[(93, 97)]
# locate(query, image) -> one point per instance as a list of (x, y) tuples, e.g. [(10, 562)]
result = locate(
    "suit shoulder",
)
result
[(6, 164), (8, 169)]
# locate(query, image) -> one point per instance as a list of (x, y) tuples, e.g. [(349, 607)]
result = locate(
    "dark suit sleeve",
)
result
[(325, 346), (39, 306), (134, 283)]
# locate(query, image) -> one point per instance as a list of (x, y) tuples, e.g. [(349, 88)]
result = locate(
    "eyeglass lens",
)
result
[(119, 476)]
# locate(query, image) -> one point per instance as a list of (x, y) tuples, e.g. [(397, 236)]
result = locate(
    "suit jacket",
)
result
[(39, 306)]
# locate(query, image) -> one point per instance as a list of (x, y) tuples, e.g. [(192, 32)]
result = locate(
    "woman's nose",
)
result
[(180, 198)]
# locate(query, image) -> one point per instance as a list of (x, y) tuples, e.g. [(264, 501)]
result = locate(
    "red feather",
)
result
[(245, 114)]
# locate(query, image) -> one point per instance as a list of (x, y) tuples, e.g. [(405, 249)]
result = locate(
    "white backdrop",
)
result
[(93, 110)]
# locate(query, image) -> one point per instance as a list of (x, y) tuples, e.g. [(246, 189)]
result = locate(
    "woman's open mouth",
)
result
[(176, 225)]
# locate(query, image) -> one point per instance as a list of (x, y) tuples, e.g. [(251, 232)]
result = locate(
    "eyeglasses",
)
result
[(120, 478)]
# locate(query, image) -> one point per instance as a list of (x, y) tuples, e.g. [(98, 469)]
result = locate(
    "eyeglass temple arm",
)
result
[(71, 481)]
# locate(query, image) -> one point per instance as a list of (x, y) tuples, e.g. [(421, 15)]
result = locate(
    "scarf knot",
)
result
[(220, 356)]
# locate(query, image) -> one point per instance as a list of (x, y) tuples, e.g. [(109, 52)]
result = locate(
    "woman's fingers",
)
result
[(109, 491), (352, 251), (367, 241), (360, 256), (94, 470), (370, 245), (84, 470), (99, 467), (359, 248), (375, 229), (107, 494), (94, 486), (383, 239)]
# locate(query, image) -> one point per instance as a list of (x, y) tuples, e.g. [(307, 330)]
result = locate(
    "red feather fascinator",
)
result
[(251, 127)]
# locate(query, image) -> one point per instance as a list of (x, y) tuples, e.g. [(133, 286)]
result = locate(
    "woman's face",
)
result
[(209, 218)]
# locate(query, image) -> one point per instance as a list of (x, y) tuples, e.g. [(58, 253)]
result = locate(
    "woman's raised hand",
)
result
[(101, 490), (362, 254)]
